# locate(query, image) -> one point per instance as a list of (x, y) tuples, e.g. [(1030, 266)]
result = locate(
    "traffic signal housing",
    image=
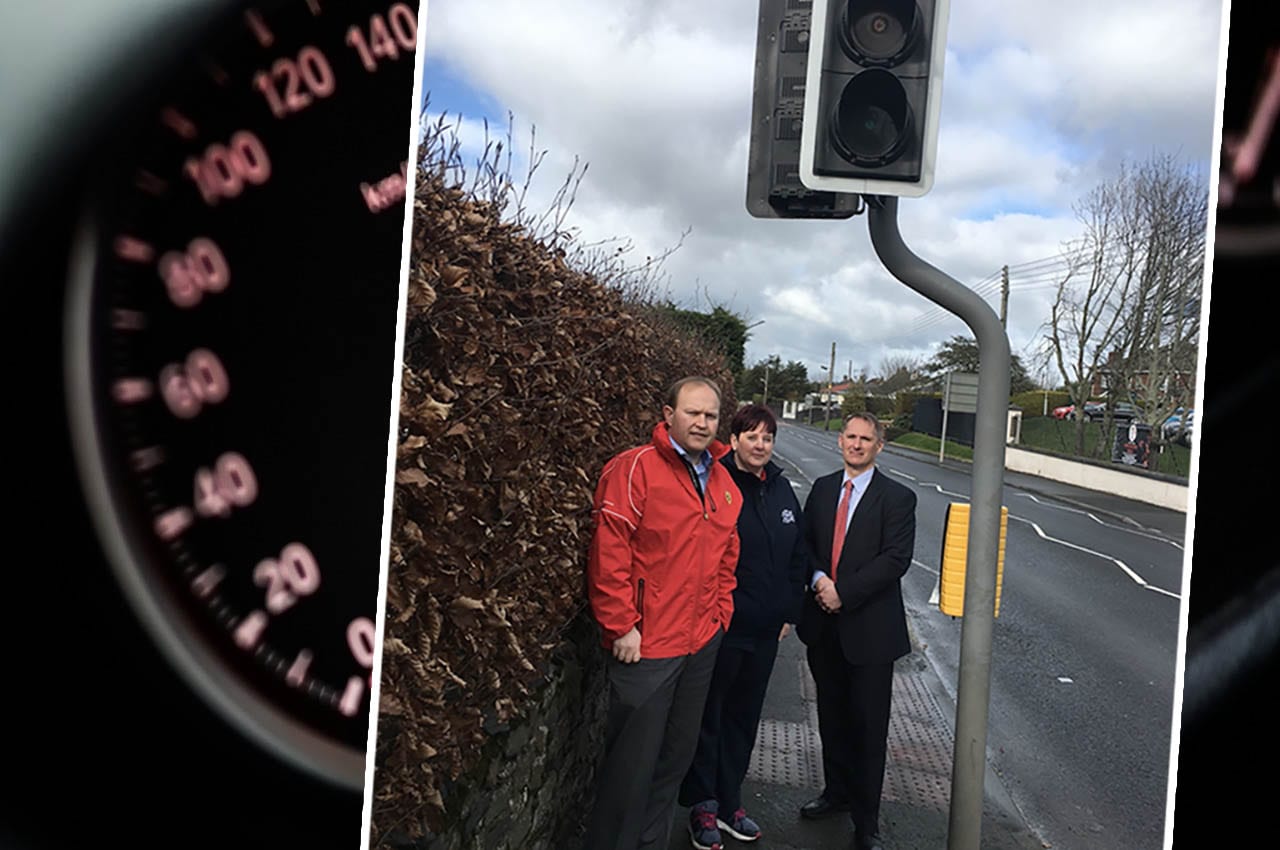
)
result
[(774, 189), (873, 95)]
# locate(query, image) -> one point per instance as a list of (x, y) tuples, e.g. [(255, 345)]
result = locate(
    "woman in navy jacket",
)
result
[(771, 576)]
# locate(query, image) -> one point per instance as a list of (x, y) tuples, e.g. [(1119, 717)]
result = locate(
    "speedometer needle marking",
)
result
[(250, 630), (173, 523), (298, 671), (147, 459), (204, 584), (132, 390), (179, 123), (260, 29), (128, 320), (351, 696), (134, 250), (150, 183)]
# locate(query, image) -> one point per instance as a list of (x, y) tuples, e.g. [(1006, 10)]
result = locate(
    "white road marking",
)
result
[(1142, 533), (1066, 680), (1137, 579), (938, 487), (924, 566)]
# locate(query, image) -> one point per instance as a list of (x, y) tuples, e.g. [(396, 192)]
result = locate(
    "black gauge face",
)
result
[(230, 330)]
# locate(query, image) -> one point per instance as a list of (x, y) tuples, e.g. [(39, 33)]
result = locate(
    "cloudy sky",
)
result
[(1042, 100)]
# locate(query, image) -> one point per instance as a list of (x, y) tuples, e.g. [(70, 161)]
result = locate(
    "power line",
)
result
[(1038, 275)]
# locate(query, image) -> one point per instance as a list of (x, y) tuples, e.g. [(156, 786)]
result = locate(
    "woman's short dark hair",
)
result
[(749, 417)]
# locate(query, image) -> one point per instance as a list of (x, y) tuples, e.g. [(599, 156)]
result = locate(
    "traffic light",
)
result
[(873, 94), (774, 189)]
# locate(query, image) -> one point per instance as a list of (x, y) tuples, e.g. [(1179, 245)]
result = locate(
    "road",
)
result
[(1084, 652)]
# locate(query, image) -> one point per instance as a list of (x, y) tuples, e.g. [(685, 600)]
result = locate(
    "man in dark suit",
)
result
[(860, 528)]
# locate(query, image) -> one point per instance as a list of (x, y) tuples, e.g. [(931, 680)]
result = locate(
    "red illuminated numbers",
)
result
[(187, 387), (231, 483), (284, 86), (188, 276), (387, 36), (295, 574), (360, 638), (223, 170)]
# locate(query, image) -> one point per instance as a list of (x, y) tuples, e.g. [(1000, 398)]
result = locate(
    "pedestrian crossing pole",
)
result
[(973, 693)]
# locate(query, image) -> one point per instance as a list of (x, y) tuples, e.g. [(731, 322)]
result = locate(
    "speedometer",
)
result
[(227, 356)]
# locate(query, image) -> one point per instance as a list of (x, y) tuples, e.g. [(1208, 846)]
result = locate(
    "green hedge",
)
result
[(897, 426), (906, 403), (880, 406)]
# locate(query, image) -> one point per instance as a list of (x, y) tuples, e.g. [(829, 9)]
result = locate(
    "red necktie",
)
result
[(842, 522)]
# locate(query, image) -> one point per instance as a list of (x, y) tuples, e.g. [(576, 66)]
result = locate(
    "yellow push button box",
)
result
[(955, 557)]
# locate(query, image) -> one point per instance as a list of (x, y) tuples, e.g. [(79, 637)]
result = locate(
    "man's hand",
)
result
[(627, 648), (828, 598), (786, 629)]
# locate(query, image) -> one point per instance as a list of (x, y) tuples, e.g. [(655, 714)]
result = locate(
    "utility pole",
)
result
[(1004, 297), (831, 378), (765, 400)]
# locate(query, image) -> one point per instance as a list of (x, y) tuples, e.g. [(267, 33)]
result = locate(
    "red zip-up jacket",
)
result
[(661, 557)]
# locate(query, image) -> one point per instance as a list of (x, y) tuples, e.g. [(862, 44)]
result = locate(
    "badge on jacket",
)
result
[(787, 517), (728, 497)]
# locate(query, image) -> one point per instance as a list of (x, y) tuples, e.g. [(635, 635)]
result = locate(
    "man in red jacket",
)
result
[(660, 579)]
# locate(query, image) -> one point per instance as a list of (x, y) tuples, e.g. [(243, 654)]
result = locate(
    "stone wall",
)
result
[(531, 788)]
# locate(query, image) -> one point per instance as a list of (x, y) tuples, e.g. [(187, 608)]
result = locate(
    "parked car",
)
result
[(1174, 430), (1093, 411), (1123, 411)]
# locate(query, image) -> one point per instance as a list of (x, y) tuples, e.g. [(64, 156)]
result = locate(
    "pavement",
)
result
[(786, 765), (786, 769)]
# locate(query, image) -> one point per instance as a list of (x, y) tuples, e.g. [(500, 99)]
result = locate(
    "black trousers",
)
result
[(655, 707), (853, 720), (729, 725)]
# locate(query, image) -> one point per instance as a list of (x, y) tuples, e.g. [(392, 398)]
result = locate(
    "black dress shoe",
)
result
[(868, 842), (821, 807)]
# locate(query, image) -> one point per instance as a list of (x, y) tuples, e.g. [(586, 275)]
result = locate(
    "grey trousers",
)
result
[(655, 712)]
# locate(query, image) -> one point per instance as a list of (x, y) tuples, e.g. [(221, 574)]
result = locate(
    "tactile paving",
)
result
[(920, 752)]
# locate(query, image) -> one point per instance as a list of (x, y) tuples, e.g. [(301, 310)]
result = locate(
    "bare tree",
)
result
[(1085, 319), (1156, 356), (900, 372), (1126, 312)]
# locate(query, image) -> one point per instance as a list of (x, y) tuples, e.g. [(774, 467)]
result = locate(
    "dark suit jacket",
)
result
[(877, 551)]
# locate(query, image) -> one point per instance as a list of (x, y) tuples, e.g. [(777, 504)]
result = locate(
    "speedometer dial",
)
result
[(230, 334)]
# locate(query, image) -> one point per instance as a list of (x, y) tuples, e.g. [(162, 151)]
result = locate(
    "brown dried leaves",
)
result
[(521, 377)]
